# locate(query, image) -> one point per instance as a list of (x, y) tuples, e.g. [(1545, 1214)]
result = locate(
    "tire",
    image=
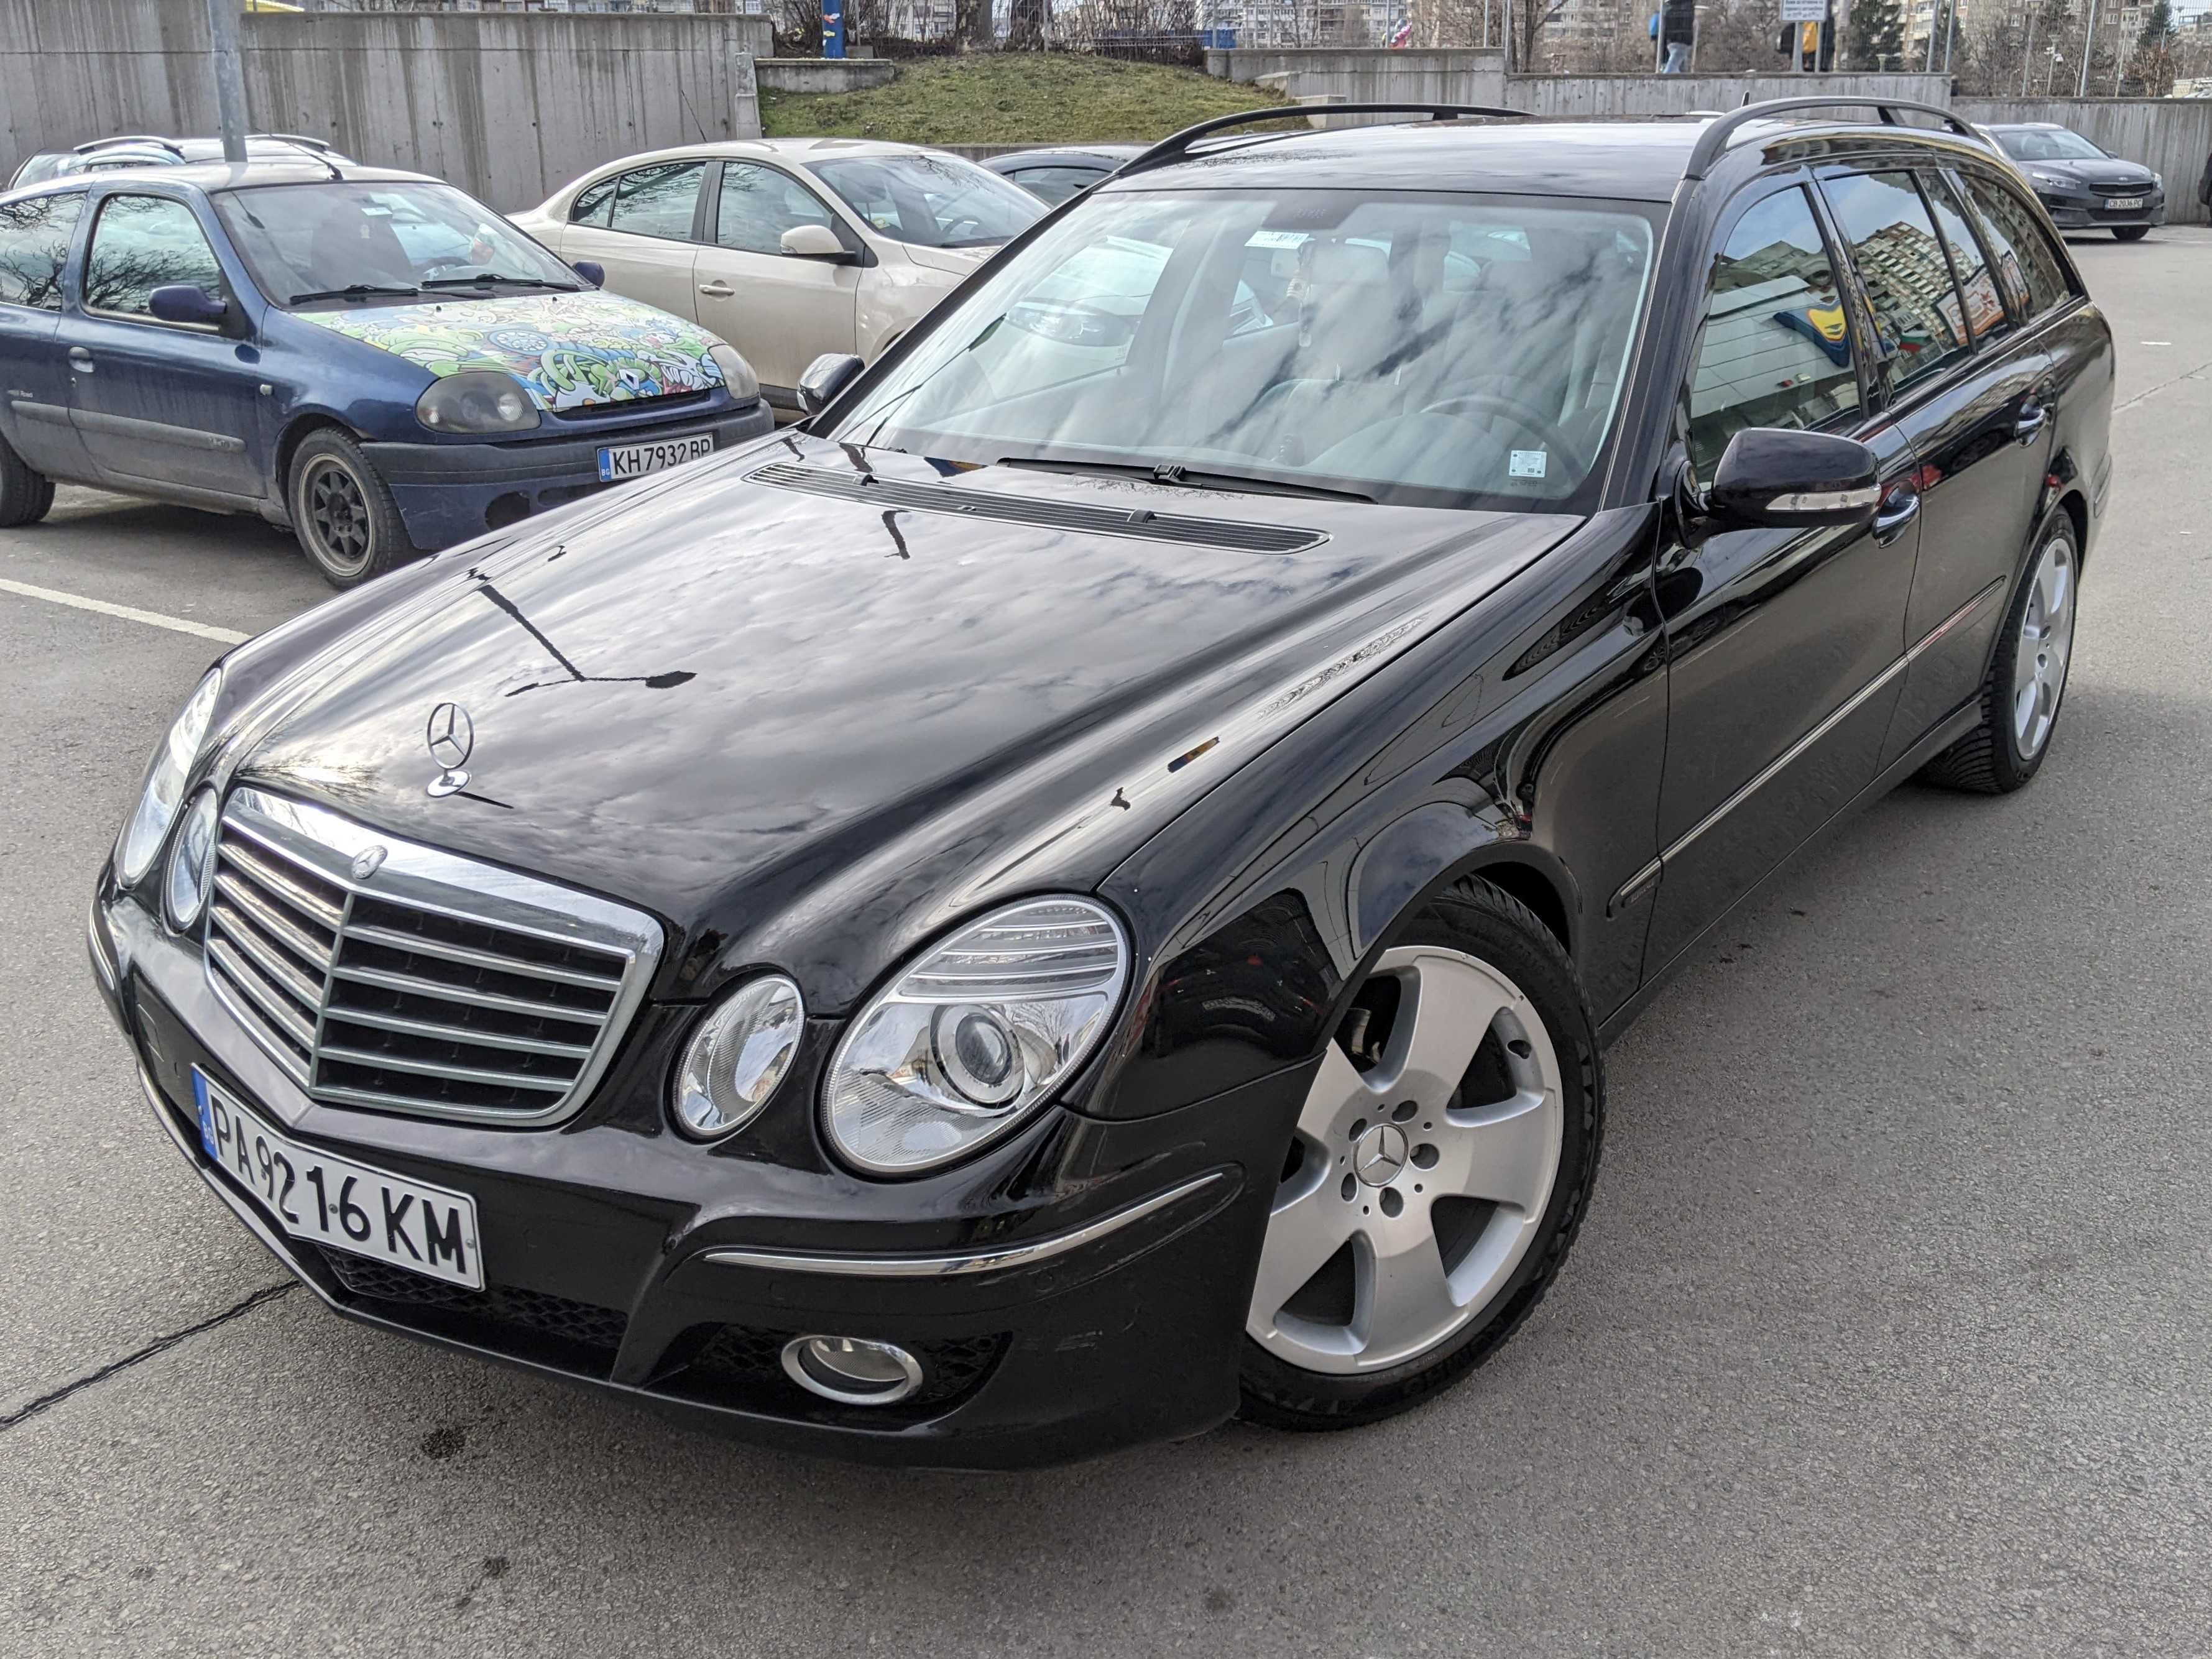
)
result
[(2008, 747), (25, 494), (1330, 1349), (2130, 233), (342, 511)]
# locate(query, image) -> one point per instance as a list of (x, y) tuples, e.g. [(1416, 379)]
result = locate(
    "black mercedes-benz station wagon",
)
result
[(1082, 892)]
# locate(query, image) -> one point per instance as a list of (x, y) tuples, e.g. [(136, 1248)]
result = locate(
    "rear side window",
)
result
[(2027, 263), (34, 245), (593, 202), (1776, 350), (1985, 307), (1056, 185), (1893, 245), (657, 201), (141, 243)]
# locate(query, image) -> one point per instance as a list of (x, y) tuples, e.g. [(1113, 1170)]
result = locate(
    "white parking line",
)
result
[(129, 613)]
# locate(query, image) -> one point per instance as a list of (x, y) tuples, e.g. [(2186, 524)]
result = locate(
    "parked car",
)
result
[(372, 358), (787, 247), (1068, 898), (1055, 173), (143, 150), (2082, 186)]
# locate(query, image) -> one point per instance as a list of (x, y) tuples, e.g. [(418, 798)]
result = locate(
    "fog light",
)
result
[(191, 863), (851, 1371)]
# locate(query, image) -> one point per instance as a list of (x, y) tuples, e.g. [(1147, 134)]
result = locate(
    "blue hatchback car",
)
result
[(373, 358)]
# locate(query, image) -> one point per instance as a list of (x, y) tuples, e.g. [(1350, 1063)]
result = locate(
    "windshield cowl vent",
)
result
[(1142, 523)]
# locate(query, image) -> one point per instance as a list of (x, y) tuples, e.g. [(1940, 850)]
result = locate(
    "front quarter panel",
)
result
[(893, 296)]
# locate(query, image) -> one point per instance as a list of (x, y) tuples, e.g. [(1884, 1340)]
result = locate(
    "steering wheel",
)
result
[(1531, 422)]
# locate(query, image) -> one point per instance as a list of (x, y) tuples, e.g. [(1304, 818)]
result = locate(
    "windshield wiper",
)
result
[(1189, 477), (491, 276), (350, 291)]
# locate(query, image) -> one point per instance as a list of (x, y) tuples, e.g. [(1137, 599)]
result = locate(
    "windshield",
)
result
[(2054, 145), (1432, 349), (935, 201), (334, 244)]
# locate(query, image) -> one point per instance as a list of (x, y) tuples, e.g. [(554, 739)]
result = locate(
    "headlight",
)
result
[(973, 1035), (2052, 180), (737, 373), (477, 400), (2158, 181), (165, 783), (734, 1062), (191, 863)]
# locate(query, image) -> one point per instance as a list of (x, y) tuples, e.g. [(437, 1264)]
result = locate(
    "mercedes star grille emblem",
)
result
[(367, 862), (451, 736)]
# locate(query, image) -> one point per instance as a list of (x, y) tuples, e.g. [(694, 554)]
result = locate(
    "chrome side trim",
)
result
[(103, 965), (964, 1263), (1850, 705)]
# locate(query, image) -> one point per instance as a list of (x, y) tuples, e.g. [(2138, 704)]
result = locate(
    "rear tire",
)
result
[(1453, 1155), (2130, 233), (25, 494), (342, 511), (2027, 675)]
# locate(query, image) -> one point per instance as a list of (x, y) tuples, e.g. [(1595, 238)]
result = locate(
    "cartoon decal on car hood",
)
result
[(569, 350)]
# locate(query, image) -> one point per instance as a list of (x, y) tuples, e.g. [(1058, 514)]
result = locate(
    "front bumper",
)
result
[(448, 493), (2089, 212), (1077, 1289)]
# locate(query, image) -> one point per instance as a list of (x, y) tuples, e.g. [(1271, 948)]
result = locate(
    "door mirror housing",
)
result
[(183, 302), (816, 242), (591, 271), (825, 377), (1779, 478)]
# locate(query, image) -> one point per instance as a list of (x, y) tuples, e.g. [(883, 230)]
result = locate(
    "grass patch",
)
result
[(1012, 98)]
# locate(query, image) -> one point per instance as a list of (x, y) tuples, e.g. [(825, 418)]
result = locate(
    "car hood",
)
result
[(2105, 172), (569, 350), (807, 727)]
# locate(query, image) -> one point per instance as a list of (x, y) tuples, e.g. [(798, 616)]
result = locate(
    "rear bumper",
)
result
[(448, 493), (1080, 1292)]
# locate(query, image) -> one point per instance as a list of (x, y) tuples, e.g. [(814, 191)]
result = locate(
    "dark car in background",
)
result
[(1057, 172), (372, 358), (2082, 186), (1082, 892)]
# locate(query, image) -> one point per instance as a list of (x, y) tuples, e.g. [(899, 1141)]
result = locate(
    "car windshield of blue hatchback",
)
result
[(335, 244)]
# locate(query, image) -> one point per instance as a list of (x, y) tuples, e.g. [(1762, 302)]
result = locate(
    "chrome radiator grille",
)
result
[(382, 974)]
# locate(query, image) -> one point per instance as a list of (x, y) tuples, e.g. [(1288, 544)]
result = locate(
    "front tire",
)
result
[(1438, 1174), (25, 493), (342, 511), (2130, 233), (2027, 675)]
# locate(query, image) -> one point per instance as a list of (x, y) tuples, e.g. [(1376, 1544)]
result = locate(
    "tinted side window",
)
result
[(2026, 262), (592, 205), (759, 204), (1056, 185), (1777, 348), (34, 244), (1892, 241), (142, 243), (1985, 309), (656, 201)]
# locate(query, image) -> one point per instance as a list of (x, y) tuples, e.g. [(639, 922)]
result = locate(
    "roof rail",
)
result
[(1177, 145), (92, 144), (300, 139), (1715, 138)]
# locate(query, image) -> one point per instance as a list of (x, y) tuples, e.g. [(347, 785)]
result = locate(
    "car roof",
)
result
[(1045, 154), (214, 178), (1631, 161), (2027, 126)]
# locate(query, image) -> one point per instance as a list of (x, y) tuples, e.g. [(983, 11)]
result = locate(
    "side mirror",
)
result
[(1775, 478), (591, 271), (183, 302), (816, 242), (825, 377)]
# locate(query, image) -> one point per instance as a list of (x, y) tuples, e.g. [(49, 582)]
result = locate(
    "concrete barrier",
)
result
[(507, 105), (1597, 96), (822, 74), (1368, 76), (2172, 135)]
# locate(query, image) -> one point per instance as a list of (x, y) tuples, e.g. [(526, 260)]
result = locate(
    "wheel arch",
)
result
[(1420, 854), (295, 432)]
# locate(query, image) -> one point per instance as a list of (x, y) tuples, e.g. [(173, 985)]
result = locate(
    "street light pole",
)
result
[(2088, 51), (230, 77)]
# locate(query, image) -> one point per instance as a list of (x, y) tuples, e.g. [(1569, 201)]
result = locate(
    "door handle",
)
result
[(717, 289), (80, 360), (2032, 419), (1895, 516)]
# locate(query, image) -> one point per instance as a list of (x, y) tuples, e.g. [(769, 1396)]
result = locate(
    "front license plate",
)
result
[(621, 461), (335, 1201), (2123, 203)]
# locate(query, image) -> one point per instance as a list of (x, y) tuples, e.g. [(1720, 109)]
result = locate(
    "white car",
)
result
[(787, 247)]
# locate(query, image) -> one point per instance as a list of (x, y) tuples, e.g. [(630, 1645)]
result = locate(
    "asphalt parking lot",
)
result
[(1889, 1334)]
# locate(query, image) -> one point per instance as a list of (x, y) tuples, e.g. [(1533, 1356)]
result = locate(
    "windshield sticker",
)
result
[(1526, 463), (568, 351)]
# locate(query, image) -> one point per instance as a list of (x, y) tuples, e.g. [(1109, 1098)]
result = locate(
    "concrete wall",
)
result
[(507, 105), (822, 74), (1600, 95), (2172, 134), (1438, 75)]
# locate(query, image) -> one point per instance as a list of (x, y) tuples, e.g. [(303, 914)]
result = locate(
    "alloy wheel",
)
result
[(1419, 1175), (337, 516), (2046, 641)]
